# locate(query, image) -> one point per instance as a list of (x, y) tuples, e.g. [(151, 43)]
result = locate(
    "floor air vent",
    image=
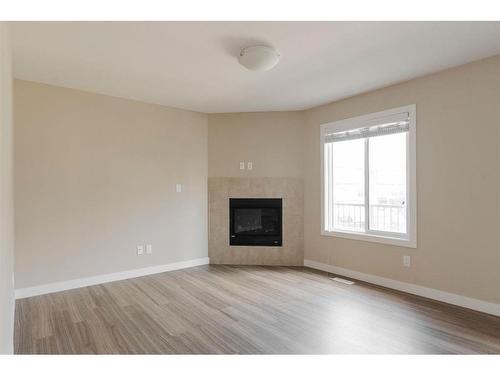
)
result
[(343, 281)]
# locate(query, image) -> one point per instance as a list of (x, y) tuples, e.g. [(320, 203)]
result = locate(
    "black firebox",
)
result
[(255, 221)]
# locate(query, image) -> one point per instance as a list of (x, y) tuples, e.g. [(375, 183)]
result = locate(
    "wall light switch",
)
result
[(178, 188), (249, 165), (406, 260), (242, 165), (140, 249), (149, 249)]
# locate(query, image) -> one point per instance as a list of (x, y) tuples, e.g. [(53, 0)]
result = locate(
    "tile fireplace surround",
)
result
[(220, 189)]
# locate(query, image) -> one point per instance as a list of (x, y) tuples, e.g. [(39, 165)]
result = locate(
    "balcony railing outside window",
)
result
[(349, 216), (383, 217)]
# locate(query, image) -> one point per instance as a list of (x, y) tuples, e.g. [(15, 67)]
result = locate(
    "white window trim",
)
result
[(411, 183)]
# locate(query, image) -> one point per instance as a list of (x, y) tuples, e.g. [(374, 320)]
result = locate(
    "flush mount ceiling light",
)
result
[(258, 58)]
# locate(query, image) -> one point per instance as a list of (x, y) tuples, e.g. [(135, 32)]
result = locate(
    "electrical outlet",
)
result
[(149, 249), (178, 188), (140, 249), (406, 260), (249, 165), (242, 165)]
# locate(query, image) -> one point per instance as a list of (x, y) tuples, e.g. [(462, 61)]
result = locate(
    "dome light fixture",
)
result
[(259, 58)]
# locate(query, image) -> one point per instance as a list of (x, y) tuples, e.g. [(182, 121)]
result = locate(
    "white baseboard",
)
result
[(94, 280), (435, 294)]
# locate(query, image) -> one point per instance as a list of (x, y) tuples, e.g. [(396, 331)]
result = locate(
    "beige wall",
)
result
[(272, 141), (95, 176), (458, 183), (6, 197)]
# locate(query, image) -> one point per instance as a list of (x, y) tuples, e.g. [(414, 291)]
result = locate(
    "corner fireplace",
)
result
[(255, 222)]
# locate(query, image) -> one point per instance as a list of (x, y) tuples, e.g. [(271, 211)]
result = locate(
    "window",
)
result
[(368, 184)]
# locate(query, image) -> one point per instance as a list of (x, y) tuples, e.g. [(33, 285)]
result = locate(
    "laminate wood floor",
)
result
[(247, 310)]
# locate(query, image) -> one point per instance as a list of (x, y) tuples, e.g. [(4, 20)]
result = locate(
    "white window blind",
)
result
[(397, 123)]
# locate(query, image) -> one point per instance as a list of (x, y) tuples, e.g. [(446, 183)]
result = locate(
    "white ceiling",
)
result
[(193, 65)]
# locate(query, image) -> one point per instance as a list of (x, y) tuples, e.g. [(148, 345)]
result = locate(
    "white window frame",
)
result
[(409, 240)]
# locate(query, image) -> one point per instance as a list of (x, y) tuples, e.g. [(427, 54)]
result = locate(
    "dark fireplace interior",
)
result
[(255, 221)]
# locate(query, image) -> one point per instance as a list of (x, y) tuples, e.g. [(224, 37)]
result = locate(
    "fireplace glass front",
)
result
[(255, 221)]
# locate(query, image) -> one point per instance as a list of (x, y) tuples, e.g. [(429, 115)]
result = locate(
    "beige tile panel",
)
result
[(220, 189)]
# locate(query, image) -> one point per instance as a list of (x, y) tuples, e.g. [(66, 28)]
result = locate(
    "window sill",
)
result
[(372, 238)]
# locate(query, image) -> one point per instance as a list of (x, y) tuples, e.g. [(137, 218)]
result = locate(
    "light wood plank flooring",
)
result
[(248, 310)]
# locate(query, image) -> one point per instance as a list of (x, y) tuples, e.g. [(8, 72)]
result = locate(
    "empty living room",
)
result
[(250, 187)]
